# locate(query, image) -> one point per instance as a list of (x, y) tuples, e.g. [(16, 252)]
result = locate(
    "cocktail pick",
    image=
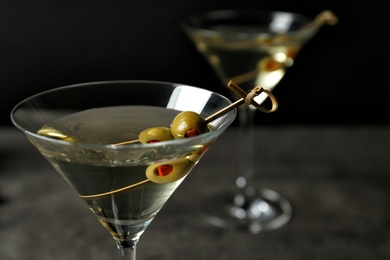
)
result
[(326, 17), (246, 98)]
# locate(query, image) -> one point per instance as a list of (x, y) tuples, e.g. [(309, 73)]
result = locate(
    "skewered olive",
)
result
[(269, 64), (187, 124), (51, 132), (155, 134), (169, 171)]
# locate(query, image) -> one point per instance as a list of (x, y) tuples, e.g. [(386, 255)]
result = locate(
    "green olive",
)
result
[(187, 124), (155, 134), (51, 132), (169, 171)]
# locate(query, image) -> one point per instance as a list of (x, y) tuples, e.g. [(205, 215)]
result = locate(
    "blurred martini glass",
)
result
[(252, 48)]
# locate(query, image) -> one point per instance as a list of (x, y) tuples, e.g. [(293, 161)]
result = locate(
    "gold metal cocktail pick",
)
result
[(325, 17), (246, 98)]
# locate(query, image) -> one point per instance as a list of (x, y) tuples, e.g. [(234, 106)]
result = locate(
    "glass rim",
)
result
[(225, 14), (181, 141)]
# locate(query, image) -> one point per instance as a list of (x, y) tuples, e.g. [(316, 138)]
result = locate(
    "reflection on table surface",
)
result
[(336, 177)]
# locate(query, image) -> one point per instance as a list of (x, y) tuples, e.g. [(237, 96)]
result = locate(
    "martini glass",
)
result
[(90, 133), (251, 48)]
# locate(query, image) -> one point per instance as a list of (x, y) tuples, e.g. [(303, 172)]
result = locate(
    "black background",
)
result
[(340, 77)]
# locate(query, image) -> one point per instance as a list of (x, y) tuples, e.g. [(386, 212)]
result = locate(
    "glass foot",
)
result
[(263, 210)]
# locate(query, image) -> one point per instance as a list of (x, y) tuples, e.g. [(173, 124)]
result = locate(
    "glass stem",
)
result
[(127, 249), (246, 147)]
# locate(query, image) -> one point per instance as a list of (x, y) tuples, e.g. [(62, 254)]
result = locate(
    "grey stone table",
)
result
[(337, 179)]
